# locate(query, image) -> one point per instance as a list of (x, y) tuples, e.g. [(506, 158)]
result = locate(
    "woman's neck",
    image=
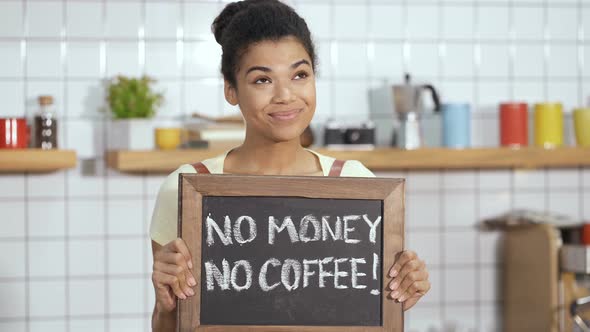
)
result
[(259, 156)]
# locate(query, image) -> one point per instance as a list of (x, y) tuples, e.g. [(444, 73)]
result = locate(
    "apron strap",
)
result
[(201, 168), (336, 167)]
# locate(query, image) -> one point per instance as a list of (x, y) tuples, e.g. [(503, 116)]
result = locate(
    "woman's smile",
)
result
[(285, 115)]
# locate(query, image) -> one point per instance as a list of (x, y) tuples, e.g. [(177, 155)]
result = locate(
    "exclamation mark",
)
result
[(375, 265)]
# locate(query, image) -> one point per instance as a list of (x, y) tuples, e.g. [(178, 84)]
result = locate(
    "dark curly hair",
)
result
[(243, 23)]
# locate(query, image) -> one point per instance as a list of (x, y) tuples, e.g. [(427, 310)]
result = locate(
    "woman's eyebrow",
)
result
[(299, 63), (264, 69), (268, 70)]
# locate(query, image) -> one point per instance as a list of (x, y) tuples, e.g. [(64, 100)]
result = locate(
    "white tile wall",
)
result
[(347, 65), (86, 217), (460, 247), (161, 19), (44, 18), (80, 293), (123, 255), (126, 297), (198, 17), (202, 59), (11, 18), (46, 218), (82, 234), (458, 21), (10, 56), (86, 257), (468, 321), (123, 58), (423, 211), (351, 21), (85, 99), (59, 325), (160, 61), (16, 307), (46, 258), (386, 21), (84, 19), (13, 260), (460, 286), (83, 60), (43, 59), (123, 19), (15, 97), (89, 325), (47, 298), (14, 214)]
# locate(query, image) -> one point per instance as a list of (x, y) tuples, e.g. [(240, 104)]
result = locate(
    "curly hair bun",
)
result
[(227, 15)]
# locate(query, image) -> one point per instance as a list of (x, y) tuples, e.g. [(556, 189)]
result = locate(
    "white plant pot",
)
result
[(131, 134)]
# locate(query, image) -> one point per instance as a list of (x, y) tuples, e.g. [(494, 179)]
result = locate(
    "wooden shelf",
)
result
[(36, 160), (382, 159)]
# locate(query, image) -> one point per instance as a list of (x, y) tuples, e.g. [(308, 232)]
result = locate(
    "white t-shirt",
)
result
[(163, 228)]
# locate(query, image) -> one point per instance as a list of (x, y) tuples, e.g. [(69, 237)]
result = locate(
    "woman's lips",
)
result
[(285, 115)]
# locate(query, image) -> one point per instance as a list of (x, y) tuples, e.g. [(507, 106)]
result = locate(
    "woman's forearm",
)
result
[(163, 321)]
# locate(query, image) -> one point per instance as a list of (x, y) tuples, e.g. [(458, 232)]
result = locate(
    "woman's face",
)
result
[(275, 89)]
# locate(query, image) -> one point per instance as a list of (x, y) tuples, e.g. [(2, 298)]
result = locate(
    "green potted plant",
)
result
[(132, 104)]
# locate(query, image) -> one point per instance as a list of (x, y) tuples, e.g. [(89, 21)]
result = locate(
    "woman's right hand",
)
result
[(172, 274)]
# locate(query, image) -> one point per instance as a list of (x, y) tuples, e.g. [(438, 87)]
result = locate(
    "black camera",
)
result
[(349, 137)]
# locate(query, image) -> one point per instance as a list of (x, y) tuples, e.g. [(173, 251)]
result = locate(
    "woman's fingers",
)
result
[(412, 265), (409, 284), (179, 246), (175, 258), (403, 258), (180, 273), (163, 282), (416, 288)]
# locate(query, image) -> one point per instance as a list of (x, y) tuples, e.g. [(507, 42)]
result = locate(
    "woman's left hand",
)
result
[(410, 279)]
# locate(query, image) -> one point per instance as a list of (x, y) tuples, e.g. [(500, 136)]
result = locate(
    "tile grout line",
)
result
[(64, 55), (144, 248), (333, 58), (24, 56), (477, 238), (511, 50), (441, 54), (580, 48), (104, 64), (546, 49), (477, 176)]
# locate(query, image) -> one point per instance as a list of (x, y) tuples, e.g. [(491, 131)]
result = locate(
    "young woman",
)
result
[(268, 65)]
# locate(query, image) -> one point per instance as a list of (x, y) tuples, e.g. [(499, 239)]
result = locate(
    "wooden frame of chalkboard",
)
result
[(195, 188)]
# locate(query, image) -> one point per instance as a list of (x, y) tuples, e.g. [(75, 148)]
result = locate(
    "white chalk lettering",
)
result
[(306, 272), (304, 226), (291, 264), (373, 226), (350, 229), (338, 274), (287, 223), (262, 276), (354, 272), (234, 275), (213, 274), (326, 229), (375, 264), (224, 236), (323, 273), (238, 230)]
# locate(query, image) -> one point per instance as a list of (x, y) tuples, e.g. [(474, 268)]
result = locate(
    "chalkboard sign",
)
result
[(290, 253)]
